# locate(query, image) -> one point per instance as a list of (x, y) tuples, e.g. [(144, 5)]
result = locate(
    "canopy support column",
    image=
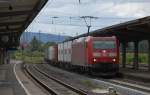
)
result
[(135, 63), (123, 55), (148, 55)]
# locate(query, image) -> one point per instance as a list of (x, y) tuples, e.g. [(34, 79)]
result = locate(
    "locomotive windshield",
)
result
[(104, 44)]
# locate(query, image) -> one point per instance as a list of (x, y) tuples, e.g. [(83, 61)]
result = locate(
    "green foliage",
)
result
[(34, 57), (34, 53), (130, 58), (143, 58), (45, 46), (143, 49), (35, 44)]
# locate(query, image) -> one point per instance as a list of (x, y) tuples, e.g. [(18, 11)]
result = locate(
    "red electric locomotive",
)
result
[(100, 54)]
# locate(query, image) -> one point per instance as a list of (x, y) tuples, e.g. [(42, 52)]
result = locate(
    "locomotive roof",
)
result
[(88, 37)]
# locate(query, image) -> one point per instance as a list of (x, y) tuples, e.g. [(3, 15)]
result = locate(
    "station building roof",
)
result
[(15, 16), (135, 30)]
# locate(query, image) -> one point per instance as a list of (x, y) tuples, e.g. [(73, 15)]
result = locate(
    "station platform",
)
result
[(8, 82), (138, 75)]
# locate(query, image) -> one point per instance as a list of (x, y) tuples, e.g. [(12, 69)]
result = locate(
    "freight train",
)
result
[(90, 54)]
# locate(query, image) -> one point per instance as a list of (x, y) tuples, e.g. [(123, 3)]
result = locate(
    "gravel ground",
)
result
[(74, 79), (85, 83)]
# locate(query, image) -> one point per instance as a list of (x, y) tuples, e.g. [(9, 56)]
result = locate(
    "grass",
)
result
[(34, 57), (143, 58)]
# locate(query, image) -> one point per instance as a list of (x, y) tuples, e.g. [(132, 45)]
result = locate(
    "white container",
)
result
[(51, 53), (67, 51), (60, 52)]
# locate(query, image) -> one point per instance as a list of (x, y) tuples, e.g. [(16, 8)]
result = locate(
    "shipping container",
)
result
[(67, 51), (60, 52)]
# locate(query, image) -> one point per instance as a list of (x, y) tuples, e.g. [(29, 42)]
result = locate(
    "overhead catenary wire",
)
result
[(88, 25), (61, 24), (66, 19)]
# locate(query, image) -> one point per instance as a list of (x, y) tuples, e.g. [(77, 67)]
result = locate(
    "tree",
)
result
[(46, 45), (35, 44)]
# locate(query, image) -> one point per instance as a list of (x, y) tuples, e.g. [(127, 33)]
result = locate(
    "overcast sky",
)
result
[(109, 12)]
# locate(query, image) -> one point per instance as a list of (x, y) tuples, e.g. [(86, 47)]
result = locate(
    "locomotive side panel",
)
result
[(79, 53)]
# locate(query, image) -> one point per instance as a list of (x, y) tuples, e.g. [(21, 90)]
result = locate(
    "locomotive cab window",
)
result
[(104, 44)]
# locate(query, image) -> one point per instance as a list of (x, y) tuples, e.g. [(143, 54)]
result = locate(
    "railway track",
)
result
[(131, 85), (118, 85), (125, 87), (51, 84)]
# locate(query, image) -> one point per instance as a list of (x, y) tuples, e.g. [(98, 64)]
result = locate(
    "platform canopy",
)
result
[(134, 30), (15, 17)]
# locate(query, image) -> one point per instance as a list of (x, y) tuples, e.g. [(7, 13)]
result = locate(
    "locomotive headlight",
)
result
[(104, 51), (114, 60), (94, 60)]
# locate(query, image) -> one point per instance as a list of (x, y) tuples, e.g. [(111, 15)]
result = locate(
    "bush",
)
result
[(143, 58), (29, 57)]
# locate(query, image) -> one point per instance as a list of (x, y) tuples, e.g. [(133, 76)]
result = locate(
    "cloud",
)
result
[(131, 10), (107, 10), (57, 29)]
